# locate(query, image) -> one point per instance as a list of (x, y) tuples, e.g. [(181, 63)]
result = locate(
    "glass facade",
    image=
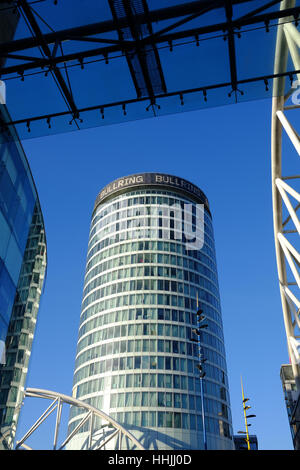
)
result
[(292, 402), (136, 358), (22, 272)]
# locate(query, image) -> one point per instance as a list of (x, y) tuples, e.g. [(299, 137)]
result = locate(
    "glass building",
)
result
[(240, 443), (22, 272), (150, 263), (292, 402)]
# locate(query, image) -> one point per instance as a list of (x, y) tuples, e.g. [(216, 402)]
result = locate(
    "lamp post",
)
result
[(202, 360), (245, 408)]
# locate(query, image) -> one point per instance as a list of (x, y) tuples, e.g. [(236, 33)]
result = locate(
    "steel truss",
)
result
[(286, 199), (132, 22), (111, 429)]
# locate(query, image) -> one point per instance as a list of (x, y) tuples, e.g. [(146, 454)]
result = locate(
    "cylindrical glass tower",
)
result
[(150, 265)]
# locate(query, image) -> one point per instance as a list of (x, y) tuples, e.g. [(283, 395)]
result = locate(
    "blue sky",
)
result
[(226, 152)]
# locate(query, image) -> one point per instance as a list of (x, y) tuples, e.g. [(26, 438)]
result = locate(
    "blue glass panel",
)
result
[(26, 196), (7, 193), (21, 227), (5, 234), (17, 194), (13, 154), (7, 293), (12, 170), (13, 259)]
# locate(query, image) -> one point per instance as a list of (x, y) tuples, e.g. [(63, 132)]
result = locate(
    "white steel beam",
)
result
[(288, 250), (290, 294), (292, 40), (289, 130), (72, 434), (293, 33), (288, 189), (293, 310), (108, 439), (91, 431), (279, 184), (57, 423), (39, 421)]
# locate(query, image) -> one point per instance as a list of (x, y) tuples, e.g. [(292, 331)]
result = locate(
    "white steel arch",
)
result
[(286, 198), (113, 429)]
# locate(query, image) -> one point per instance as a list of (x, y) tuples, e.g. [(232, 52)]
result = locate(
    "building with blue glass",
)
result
[(22, 273), (150, 263), (240, 442)]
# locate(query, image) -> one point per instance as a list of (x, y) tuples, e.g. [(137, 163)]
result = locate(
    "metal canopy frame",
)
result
[(132, 23), (111, 428)]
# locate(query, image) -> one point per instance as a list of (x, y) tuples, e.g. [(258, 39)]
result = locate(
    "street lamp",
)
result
[(202, 360), (245, 408)]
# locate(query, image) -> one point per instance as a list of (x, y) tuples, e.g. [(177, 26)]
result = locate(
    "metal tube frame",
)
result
[(58, 400), (288, 42)]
